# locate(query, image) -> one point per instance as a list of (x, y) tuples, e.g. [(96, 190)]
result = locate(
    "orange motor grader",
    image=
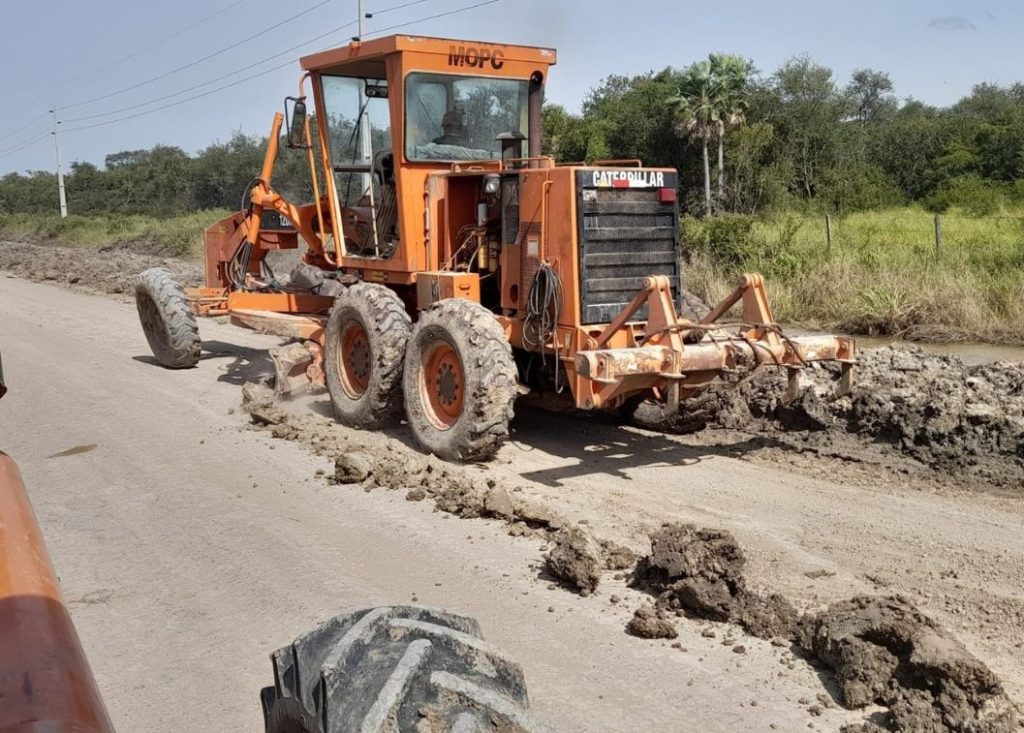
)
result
[(450, 268)]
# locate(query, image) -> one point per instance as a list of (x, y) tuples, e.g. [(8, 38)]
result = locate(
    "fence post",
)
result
[(938, 236), (828, 231)]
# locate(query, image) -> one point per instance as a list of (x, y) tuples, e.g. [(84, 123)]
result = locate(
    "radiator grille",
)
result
[(625, 235)]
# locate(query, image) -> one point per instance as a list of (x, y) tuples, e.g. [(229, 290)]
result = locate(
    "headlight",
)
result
[(491, 184)]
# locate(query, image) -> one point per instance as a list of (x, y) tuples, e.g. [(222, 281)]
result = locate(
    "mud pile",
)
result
[(578, 559), (931, 407), (700, 573), (110, 270), (373, 460), (882, 650)]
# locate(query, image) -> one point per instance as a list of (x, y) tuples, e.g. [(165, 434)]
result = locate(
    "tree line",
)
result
[(744, 142), (801, 139)]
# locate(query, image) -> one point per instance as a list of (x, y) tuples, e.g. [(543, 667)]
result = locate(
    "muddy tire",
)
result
[(691, 307), (460, 381), (365, 344), (398, 668), (167, 320)]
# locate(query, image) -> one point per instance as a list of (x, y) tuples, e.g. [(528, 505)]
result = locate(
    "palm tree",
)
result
[(697, 109), (711, 99), (731, 74)]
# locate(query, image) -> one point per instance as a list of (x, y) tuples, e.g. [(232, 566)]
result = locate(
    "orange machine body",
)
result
[(602, 238), (45, 680)]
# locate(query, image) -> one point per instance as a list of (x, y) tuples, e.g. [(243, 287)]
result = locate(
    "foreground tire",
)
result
[(400, 668), (366, 336), (167, 320), (460, 381)]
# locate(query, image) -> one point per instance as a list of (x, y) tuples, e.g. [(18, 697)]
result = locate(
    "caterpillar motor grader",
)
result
[(451, 268)]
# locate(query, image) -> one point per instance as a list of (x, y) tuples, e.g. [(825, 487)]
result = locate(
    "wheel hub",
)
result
[(446, 384), (443, 384), (355, 359)]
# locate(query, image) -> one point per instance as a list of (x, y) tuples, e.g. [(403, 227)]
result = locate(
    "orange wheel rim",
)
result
[(442, 384), (354, 359)]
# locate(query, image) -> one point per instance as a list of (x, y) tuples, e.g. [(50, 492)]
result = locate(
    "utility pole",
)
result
[(60, 167), (365, 142)]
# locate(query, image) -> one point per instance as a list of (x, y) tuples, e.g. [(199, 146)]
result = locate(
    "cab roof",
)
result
[(377, 48)]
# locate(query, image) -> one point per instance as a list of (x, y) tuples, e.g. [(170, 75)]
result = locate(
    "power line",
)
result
[(433, 17), (396, 7), (265, 71), (199, 60), (28, 124), (247, 67), (182, 101), (153, 45), (24, 145)]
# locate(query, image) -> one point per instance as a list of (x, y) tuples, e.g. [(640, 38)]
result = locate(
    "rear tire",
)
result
[(167, 320), (460, 381), (365, 342), (397, 668)]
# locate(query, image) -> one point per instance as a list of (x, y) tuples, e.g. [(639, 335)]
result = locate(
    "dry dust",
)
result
[(110, 270)]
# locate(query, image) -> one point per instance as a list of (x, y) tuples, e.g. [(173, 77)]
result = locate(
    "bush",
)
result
[(724, 240), (971, 194)]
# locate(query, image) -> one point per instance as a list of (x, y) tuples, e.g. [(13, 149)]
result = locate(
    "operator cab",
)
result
[(394, 110)]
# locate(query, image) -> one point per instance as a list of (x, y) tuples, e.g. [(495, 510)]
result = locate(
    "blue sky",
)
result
[(934, 50)]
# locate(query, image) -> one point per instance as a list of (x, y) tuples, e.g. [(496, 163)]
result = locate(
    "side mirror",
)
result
[(296, 122)]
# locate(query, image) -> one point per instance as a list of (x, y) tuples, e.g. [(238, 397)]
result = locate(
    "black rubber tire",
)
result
[(489, 374), (691, 307), (382, 315), (167, 320), (395, 668)]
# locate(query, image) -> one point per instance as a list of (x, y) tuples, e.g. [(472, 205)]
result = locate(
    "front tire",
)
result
[(395, 668), (460, 381), (365, 342), (167, 319)]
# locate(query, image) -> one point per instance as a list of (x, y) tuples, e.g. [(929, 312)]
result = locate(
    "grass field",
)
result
[(880, 276), (178, 236)]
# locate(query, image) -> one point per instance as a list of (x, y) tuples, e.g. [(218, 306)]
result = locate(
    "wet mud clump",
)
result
[(576, 559), (930, 407), (649, 622), (883, 650), (700, 572)]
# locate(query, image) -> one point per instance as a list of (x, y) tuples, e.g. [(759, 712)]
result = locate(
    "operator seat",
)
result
[(355, 220)]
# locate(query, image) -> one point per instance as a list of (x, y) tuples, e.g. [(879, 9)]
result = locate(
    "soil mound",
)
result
[(883, 650), (931, 407), (700, 571), (112, 270)]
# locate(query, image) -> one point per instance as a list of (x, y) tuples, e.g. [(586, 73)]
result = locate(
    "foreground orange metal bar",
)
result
[(45, 681)]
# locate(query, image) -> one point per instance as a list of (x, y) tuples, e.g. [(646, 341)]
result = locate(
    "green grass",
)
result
[(178, 236), (882, 274)]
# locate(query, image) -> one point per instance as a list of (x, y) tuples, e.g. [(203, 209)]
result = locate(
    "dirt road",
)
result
[(190, 546)]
